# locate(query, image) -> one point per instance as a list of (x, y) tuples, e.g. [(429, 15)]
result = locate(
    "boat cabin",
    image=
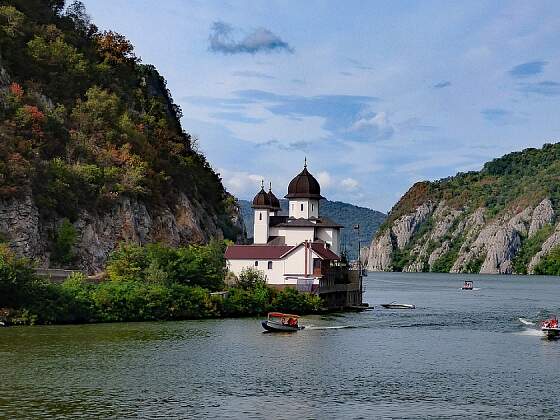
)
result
[(468, 285), (284, 319)]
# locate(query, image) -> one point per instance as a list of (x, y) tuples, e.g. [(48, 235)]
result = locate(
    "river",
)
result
[(459, 354)]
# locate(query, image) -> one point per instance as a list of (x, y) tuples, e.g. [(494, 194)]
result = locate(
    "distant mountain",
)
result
[(346, 214), (502, 219)]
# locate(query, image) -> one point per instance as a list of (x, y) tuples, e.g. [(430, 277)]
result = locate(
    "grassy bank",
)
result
[(145, 283)]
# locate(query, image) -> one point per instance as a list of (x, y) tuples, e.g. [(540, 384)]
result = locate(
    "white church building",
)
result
[(291, 250)]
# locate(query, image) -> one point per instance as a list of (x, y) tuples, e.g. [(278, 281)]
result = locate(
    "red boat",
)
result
[(279, 322), (550, 328)]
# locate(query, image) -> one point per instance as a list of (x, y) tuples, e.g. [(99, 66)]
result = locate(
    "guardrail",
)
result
[(58, 275)]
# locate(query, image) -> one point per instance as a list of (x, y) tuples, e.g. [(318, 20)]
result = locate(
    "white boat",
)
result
[(468, 285), (550, 328), (394, 305)]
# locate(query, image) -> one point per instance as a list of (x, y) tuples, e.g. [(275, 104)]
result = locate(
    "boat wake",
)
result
[(337, 327), (525, 322), (530, 331)]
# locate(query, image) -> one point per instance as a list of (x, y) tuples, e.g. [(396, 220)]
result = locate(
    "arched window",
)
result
[(301, 206), (312, 207), (256, 263), (270, 265), (260, 216)]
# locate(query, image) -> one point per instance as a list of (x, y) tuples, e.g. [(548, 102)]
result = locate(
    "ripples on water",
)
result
[(459, 354)]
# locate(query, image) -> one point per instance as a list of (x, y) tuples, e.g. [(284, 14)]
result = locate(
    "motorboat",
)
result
[(468, 285), (279, 322), (394, 305), (550, 328)]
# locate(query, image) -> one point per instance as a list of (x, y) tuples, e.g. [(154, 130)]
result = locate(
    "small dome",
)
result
[(274, 202), (261, 200), (304, 185)]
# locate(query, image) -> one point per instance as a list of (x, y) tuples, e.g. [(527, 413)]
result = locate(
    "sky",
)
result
[(376, 95)]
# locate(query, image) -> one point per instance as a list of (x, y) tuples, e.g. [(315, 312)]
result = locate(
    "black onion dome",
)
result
[(261, 200), (304, 185), (274, 202)]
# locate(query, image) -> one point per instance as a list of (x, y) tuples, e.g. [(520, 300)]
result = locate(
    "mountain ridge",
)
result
[(500, 220)]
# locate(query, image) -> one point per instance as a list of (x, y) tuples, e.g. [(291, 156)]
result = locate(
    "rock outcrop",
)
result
[(129, 220), (543, 215), (488, 247)]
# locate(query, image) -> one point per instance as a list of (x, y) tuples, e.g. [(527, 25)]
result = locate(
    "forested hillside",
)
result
[(345, 214), (92, 151), (502, 219)]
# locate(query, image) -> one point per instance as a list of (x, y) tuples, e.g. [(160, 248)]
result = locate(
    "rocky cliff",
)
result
[(92, 152), (500, 220)]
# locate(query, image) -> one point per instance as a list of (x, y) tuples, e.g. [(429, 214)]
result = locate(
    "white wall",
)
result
[(260, 226), (330, 236), (310, 208), (293, 264), (295, 236), (274, 276)]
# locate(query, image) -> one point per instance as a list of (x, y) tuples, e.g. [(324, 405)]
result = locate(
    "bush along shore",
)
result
[(144, 283)]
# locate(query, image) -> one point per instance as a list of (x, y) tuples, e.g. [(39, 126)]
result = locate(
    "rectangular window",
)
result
[(270, 265), (301, 207), (260, 216), (256, 263), (312, 207)]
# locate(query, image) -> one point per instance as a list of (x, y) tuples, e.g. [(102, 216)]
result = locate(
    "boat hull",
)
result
[(276, 327), (551, 332), (398, 306)]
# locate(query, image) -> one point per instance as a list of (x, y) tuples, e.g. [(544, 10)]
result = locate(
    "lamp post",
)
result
[(357, 229)]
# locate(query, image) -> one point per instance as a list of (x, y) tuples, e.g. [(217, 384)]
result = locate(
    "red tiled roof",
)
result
[(256, 252), (320, 250), (324, 252)]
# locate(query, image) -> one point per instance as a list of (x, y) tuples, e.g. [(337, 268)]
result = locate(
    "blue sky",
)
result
[(377, 95)]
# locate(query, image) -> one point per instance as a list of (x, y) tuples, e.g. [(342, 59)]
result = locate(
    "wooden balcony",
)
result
[(340, 279)]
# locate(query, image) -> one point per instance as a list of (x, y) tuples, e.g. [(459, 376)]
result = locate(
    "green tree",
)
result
[(63, 246)]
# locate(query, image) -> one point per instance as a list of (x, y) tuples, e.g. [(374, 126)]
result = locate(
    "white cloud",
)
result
[(324, 179), (241, 184), (349, 183), (377, 125)]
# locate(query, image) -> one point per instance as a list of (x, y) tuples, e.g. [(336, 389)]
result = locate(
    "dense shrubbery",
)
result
[(145, 283), (529, 247), (550, 264)]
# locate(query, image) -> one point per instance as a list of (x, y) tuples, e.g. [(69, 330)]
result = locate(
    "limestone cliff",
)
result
[(500, 220)]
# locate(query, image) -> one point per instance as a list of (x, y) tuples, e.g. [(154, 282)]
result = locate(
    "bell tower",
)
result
[(262, 209), (304, 193)]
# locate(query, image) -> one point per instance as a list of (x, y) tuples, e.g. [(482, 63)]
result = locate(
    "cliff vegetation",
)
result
[(502, 219), (92, 151)]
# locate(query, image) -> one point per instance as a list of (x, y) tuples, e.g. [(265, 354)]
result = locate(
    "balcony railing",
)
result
[(340, 279)]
